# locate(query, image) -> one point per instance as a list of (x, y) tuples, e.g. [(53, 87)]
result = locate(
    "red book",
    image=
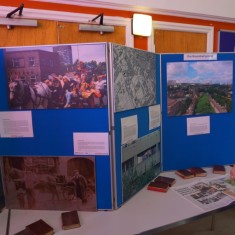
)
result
[(198, 171), (70, 220), (185, 174), (165, 179), (219, 169), (40, 227), (158, 186), (24, 232)]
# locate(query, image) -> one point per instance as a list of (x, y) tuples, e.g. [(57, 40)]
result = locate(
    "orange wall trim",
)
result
[(139, 42)]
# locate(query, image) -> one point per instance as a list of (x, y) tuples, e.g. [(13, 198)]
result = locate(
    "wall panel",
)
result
[(69, 33), (45, 33), (167, 41)]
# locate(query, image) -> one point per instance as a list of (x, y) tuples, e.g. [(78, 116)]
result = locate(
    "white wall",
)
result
[(222, 10)]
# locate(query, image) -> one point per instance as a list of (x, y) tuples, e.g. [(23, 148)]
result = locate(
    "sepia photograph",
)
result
[(50, 183), (52, 77), (199, 87)]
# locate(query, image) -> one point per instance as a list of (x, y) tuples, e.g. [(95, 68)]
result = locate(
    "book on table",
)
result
[(24, 232), (185, 174), (70, 220), (219, 169), (198, 171), (166, 179), (158, 186), (40, 227)]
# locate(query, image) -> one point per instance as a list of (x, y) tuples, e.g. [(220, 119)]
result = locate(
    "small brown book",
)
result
[(198, 171), (185, 174), (70, 220), (25, 232), (165, 179), (219, 169), (40, 227), (158, 186)]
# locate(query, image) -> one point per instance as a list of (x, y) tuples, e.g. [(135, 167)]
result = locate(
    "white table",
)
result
[(147, 212), (3, 221)]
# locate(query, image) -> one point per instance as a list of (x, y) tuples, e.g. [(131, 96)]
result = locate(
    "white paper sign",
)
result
[(129, 129), (91, 143), (204, 56), (154, 117), (198, 125), (16, 124)]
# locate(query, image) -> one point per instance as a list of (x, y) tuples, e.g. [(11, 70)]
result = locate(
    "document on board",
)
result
[(198, 125), (200, 56), (129, 126), (91, 143), (154, 117), (16, 124)]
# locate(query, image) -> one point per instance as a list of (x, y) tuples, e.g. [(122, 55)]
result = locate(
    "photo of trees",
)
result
[(199, 87)]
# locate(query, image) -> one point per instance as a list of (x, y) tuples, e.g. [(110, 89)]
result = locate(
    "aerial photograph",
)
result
[(199, 87)]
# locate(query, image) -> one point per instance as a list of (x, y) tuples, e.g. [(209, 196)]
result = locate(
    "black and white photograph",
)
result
[(134, 78)]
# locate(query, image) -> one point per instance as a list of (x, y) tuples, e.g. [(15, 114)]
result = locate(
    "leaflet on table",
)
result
[(209, 194)]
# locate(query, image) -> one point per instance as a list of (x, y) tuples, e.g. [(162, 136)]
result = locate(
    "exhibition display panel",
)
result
[(197, 110), (87, 126), (70, 117)]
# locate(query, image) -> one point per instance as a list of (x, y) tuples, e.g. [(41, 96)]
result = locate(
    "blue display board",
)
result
[(181, 150), (136, 77), (226, 41), (134, 80), (53, 127)]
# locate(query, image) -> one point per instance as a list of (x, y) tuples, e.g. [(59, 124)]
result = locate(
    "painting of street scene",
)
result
[(201, 87), (50, 183), (57, 76)]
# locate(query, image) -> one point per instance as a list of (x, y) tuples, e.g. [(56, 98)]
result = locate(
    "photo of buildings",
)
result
[(52, 77), (200, 87)]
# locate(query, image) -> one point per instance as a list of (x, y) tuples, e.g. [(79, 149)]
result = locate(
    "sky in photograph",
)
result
[(88, 52), (83, 52), (203, 72)]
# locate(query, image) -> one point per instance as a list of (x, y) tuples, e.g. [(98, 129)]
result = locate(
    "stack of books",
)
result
[(161, 184)]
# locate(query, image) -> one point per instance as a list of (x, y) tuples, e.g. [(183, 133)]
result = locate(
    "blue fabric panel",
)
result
[(182, 151)]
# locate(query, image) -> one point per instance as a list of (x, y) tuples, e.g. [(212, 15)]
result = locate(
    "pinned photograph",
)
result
[(50, 183), (52, 77), (199, 87)]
